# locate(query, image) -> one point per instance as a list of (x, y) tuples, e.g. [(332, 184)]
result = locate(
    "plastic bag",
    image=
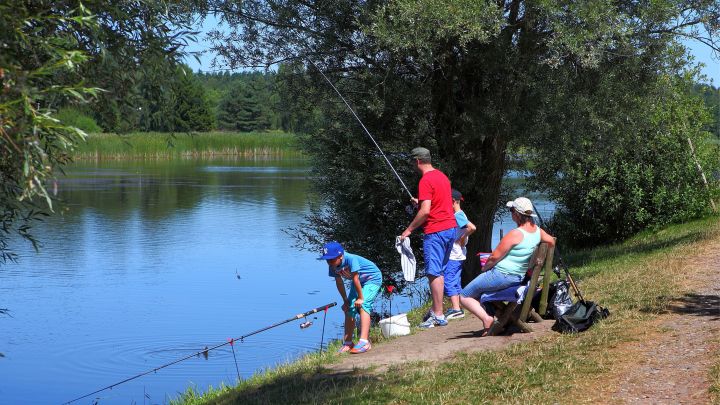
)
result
[(561, 301), (407, 258)]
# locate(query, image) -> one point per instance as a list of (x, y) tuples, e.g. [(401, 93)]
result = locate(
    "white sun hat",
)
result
[(522, 206)]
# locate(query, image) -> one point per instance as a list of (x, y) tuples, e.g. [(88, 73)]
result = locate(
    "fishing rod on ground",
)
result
[(561, 263), (230, 342)]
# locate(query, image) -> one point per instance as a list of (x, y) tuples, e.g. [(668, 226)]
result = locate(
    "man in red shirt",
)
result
[(437, 217)]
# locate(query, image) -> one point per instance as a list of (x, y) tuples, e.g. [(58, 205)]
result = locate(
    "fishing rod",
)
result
[(361, 124), (207, 349), (561, 263)]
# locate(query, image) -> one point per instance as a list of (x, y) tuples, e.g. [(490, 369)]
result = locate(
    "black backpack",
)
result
[(581, 316)]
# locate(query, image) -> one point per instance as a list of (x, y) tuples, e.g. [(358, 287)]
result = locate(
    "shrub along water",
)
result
[(168, 145), (625, 277), (76, 118)]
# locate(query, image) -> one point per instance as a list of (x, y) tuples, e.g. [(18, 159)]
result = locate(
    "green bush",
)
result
[(630, 166), (75, 118)]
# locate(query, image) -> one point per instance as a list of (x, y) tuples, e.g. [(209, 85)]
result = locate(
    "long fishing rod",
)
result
[(206, 350), (561, 263), (361, 124)]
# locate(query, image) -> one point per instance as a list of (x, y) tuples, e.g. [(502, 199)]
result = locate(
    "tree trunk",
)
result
[(481, 202), (477, 159)]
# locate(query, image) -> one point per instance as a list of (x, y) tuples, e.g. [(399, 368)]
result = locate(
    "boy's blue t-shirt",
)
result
[(461, 219), (367, 271), (458, 253)]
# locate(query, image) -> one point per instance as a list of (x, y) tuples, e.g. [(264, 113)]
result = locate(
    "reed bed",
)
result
[(157, 145)]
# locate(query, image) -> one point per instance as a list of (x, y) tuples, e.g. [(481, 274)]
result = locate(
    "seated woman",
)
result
[(509, 262)]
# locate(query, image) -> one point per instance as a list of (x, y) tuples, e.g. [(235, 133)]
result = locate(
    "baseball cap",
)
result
[(331, 250), (420, 153), (522, 206), (457, 196)]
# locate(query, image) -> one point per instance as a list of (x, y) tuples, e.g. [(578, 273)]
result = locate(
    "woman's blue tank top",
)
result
[(517, 259)]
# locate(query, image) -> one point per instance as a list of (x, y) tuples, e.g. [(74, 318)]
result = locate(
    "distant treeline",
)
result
[(711, 97), (245, 102), (252, 101)]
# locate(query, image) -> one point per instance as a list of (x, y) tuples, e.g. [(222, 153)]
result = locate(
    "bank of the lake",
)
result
[(158, 145), (640, 280)]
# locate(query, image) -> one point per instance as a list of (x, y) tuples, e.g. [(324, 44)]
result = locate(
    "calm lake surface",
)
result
[(146, 262)]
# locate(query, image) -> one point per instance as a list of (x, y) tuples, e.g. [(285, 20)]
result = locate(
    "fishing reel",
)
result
[(307, 323)]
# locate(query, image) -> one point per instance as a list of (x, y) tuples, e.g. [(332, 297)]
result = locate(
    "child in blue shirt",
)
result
[(457, 257), (366, 281)]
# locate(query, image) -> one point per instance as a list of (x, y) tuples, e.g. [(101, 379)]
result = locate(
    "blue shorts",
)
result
[(452, 278), (370, 291), (437, 247), (492, 280)]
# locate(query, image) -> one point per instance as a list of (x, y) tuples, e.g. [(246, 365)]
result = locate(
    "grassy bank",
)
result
[(637, 280), (151, 145)]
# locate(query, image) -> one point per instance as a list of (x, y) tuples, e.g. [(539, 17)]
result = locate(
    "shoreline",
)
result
[(639, 280)]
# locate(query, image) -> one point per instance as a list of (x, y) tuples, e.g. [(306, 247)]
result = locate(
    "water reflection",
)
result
[(153, 260), (158, 189)]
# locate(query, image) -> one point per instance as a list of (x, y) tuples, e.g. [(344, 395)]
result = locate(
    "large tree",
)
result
[(464, 78), (240, 109), (191, 108)]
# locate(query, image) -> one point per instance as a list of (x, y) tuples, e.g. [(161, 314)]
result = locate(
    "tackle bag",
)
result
[(580, 316)]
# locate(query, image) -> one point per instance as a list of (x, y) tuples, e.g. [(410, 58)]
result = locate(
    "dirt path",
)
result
[(459, 336), (672, 367), (670, 364)]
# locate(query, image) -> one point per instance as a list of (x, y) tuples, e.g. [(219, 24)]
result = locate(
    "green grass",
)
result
[(636, 280), (165, 145)]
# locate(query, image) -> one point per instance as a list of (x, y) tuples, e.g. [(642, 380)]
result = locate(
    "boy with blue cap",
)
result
[(366, 281)]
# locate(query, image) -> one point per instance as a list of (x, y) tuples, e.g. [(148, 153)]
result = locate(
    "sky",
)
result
[(703, 54), (700, 52)]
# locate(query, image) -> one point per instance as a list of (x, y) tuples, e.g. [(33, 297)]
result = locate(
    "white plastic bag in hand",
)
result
[(407, 258)]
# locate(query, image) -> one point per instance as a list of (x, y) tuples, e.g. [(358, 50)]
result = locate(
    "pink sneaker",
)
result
[(360, 348), (345, 348)]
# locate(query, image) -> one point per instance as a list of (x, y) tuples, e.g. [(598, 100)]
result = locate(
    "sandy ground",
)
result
[(461, 335)]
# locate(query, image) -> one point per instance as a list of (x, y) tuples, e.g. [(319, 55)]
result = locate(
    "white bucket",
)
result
[(397, 325)]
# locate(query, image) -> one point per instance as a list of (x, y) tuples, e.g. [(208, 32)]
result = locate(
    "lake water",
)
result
[(146, 262)]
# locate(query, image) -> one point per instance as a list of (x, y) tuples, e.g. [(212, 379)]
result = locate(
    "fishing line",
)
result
[(322, 337), (361, 124), (206, 350), (232, 346), (561, 263)]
